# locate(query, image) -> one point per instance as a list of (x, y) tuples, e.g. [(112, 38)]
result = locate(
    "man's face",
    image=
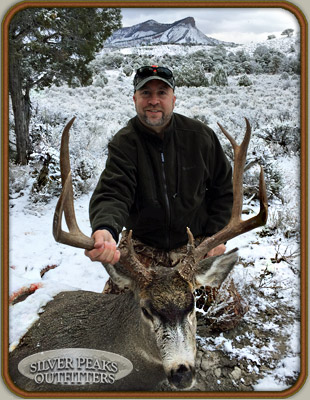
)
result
[(154, 104)]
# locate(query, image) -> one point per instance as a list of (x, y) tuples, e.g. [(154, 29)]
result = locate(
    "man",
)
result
[(164, 172)]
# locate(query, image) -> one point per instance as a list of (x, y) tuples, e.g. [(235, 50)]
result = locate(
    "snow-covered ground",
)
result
[(267, 274), (265, 286)]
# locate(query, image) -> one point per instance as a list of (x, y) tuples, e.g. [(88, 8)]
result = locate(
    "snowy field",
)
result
[(268, 271)]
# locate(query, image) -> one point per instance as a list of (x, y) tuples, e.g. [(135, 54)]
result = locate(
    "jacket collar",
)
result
[(141, 128)]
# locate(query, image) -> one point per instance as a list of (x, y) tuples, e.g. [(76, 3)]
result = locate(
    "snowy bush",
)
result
[(112, 60), (282, 221), (245, 81), (100, 80), (285, 76), (219, 78), (282, 137), (273, 179), (218, 54), (204, 59), (47, 178), (269, 59), (128, 70), (19, 180), (191, 75)]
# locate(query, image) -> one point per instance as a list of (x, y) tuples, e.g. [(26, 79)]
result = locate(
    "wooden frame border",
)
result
[(303, 198)]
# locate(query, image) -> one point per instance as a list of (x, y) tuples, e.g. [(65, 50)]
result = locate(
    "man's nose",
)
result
[(153, 99)]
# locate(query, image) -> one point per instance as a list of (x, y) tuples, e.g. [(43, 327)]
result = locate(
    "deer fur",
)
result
[(154, 327)]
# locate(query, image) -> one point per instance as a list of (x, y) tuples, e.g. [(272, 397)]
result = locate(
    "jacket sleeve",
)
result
[(220, 193), (114, 195)]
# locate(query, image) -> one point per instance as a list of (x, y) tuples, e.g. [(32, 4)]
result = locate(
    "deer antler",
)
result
[(236, 225), (75, 237), (65, 205)]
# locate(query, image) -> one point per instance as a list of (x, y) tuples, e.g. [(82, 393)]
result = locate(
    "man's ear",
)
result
[(212, 271), (119, 275)]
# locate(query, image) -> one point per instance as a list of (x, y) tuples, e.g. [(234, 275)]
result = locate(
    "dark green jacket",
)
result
[(159, 187)]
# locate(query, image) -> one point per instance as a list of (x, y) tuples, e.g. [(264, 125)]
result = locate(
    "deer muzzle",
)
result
[(182, 377)]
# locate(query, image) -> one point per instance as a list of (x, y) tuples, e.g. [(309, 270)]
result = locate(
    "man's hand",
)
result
[(105, 250), (217, 251)]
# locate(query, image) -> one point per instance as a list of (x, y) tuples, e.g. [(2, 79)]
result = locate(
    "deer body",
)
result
[(93, 321), (154, 328), (154, 323)]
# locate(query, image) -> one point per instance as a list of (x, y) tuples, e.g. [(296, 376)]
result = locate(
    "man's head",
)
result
[(153, 72), (154, 96)]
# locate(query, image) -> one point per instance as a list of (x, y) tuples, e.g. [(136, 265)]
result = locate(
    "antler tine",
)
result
[(190, 243), (130, 261), (240, 153), (65, 169), (75, 237), (236, 225), (65, 204)]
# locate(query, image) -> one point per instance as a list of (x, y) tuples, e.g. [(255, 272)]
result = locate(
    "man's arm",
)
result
[(111, 201)]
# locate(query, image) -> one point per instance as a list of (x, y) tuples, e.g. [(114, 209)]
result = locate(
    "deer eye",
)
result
[(146, 313)]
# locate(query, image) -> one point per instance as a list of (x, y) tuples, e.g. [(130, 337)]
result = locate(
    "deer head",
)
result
[(165, 296)]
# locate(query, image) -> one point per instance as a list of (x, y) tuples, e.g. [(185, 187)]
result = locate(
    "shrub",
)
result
[(245, 81), (100, 80), (285, 76), (219, 78), (128, 70), (191, 75), (284, 135), (18, 179)]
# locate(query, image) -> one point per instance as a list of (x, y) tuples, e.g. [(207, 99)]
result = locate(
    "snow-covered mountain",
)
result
[(151, 32)]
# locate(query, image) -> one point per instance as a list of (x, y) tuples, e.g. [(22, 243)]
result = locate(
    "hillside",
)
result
[(263, 352), (151, 32)]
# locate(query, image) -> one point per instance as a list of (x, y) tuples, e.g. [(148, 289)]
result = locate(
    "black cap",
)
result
[(148, 73)]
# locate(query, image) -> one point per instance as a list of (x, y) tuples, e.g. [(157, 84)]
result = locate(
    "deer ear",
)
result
[(212, 271), (119, 275)]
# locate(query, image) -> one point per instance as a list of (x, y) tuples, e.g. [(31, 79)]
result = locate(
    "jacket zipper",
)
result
[(166, 197)]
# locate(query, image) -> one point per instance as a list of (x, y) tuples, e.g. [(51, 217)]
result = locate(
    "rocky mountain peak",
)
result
[(151, 32)]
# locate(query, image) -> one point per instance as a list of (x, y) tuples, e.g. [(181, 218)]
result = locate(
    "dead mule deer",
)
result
[(153, 324)]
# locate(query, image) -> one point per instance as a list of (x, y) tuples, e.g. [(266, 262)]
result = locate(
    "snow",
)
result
[(33, 248), (282, 44), (183, 31), (274, 381), (101, 111), (24, 314)]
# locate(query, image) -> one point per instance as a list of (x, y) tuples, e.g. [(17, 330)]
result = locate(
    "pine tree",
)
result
[(52, 46)]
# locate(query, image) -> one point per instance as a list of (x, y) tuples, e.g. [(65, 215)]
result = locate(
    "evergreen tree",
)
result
[(52, 46)]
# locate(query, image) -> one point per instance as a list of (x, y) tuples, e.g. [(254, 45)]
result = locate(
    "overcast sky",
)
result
[(239, 25)]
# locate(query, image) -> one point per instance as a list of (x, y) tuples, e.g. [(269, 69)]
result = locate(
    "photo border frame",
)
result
[(303, 196)]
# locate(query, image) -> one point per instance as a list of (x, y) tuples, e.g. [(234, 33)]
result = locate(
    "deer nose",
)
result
[(182, 377)]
